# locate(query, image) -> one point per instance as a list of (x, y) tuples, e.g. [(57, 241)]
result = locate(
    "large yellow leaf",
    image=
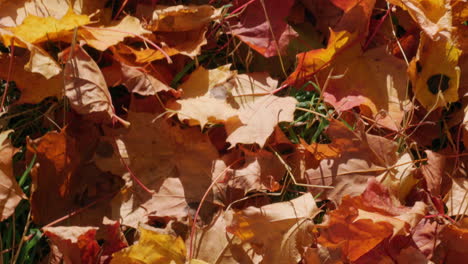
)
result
[(36, 29), (434, 73), (152, 248)]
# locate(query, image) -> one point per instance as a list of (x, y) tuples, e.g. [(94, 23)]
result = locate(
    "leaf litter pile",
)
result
[(245, 131)]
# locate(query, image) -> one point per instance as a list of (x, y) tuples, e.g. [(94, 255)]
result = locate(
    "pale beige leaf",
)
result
[(85, 86), (279, 232), (101, 38), (10, 192)]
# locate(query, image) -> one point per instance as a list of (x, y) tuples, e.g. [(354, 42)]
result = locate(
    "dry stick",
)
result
[(26, 228), (10, 68), (377, 28), (192, 232), (134, 177), (120, 10), (168, 58), (242, 6)]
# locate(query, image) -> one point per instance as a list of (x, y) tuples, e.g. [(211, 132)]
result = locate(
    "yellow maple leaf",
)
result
[(36, 29), (312, 61), (434, 73), (153, 248)]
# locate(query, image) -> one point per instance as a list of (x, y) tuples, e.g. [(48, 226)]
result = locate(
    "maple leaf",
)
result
[(10, 192), (154, 151), (434, 17), (85, 85), (245, 104), (456, 201), (34, 86), (362, 222), (13, 13), (39, 60), (152, 247), (361, 156), (64, 180), (278, 231), (454, 241), (180, 29), (262, 25), (77, 244), (101, 38), (373, 80), (258, 171), (36, 29), (135, 79), (433, 172), (309, 63), (434, 73)]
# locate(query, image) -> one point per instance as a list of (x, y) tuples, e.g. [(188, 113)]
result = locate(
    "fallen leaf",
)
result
[(85, 85), (63, 179), (114, 240), (434, 73), (309, 63), (434, 17), (135, 79), (356, 17), (152, 247), (426, 238), (373, 80), (279, 232), (34, 87), (214, 245), (244, 103), (13, 13), (199, 103), (262, 25), (77, 244), (101, 38), (362, 222), (457, 198), (39, 60), (179, 18), (362, 156), (179, 29), (36, 29), (10, 192), (155, 151), (454, 242), (256, 171), (434, 172)]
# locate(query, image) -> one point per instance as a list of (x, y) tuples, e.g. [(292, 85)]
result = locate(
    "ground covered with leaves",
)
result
[(245, 131)]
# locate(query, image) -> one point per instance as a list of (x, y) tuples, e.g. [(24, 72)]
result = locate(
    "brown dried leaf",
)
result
[(156, 151), (362, 155), (10, 192), (77, 244), (361, 223), (135, 79), (85, 85), (34, 86), (279, 232), (101, 38)]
